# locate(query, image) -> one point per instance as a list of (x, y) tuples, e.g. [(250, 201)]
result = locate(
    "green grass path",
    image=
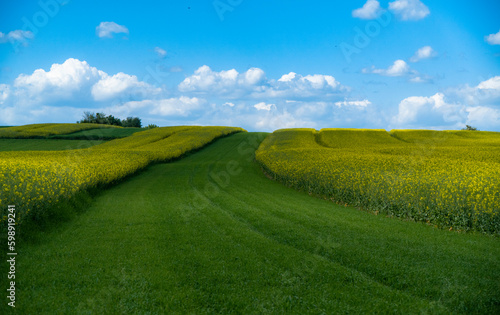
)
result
[(45, 144), (211, 234)]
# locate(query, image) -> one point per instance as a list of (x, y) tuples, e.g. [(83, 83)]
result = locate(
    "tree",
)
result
[(132, 122), (469, 128), (88, 118), (101, 118), (111, 120)]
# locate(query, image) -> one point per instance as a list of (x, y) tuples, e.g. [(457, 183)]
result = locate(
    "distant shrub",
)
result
[(470, 128), (132, 122), (151, 126)]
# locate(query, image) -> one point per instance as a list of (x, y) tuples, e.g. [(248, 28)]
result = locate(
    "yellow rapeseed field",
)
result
[(446, 178), (35, 180), (45, 130)]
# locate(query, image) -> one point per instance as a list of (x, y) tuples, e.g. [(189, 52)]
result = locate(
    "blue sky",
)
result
[(261, 65)]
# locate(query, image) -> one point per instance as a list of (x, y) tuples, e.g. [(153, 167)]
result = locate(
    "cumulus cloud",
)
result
[(76, 86), (9, 117), (15, 36), (316, 81), (493, 39), (363, 103), (264, 106), (206, 80), (486, 118), (370, 10), (178, 106), (253, 76), (62, 81), (162, 53), (287, 77), (425, 52), (293, 85), (254, 84), (64, 91), (279, 120), (109, 87), (490, 84), (20, 115), (74, 81), (397, 69), (421, 79), (486, 93), (431, 111), (478, 106), (4, 92), (407, 10), (107, 29)]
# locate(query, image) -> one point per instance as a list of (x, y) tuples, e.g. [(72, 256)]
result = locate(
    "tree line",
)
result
[(101, 118)]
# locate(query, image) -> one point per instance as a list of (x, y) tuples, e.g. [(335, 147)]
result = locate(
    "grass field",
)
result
[(46, 130), (450, 179), (211, 234), (45, 144), (99, 134), (37, 181)]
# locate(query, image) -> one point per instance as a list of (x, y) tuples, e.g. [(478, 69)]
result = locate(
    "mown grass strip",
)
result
[(99, 134), (45, 144)]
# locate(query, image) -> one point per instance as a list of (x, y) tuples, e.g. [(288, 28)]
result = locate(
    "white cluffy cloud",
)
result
[(409, 9), (77, 80), (264, 106), (430, 111), (397, 69), (107, 29), (62, 81), (363, 103), (370, 10), (315, 81), (421, 79), (478, 106), (16, 36), (254, 84), (249, 99), (293, 85), (493, 39), (4, 93), (205, 79), (483, 117), (173, 107), (425, 52), (109, 87), (490, 84)]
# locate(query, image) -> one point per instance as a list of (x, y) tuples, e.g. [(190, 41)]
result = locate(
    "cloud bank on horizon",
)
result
[(409, 84)]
